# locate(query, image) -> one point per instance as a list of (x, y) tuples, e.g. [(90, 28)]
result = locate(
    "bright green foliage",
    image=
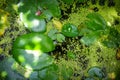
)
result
[(95, 27), (70, 55), (60, 37), (95, 22), (33, 13), (52, 34), (113, 40), (29, 50), (55, 35), (34, 41), (70, 30), (117, 5), (66, 72), (90, 38)]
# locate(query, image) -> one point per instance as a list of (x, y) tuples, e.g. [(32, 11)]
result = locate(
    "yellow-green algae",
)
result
[(96, 54), (15, 29)]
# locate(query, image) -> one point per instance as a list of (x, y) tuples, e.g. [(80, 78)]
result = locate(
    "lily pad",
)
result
[(95, 27), (96, 72), (33, 13), (29, 50), (34, 41), (7, 72), (90, 38), (96, 22), (33, 23), (49, 73), (70, 30)]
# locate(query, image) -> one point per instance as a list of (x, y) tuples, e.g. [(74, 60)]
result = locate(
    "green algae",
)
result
[(96, 54), (85, 56)]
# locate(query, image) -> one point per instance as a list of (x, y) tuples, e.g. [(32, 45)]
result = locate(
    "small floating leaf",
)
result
[(96, 72), (60, 37), (96, 22), (70, 30), (52, 34), (90, 38)]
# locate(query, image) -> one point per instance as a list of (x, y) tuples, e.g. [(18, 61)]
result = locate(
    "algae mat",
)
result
[(71, 53)]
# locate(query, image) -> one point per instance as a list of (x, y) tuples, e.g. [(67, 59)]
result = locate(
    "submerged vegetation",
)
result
[(59, 40)]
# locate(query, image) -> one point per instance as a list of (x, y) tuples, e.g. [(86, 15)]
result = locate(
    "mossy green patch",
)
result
[(85, 56), (96, 54)]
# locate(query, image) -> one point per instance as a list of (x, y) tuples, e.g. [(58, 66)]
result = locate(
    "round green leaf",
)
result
[(96, 22), (29, 50), (60, 37), (32, 10), (34, 41), (32, 59), (90, 38), (70, 30), (32, 22), (96, 72)]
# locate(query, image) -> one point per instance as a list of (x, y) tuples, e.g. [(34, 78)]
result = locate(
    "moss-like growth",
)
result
[(117, 6), (85, 57)]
